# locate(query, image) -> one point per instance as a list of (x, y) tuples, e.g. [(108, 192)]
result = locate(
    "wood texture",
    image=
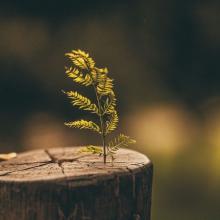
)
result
[(64, 184)]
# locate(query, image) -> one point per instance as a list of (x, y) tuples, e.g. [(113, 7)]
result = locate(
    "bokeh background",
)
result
[(164, 57)]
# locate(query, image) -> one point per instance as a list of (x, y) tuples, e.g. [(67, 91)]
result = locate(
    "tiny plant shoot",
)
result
[(84, 72)]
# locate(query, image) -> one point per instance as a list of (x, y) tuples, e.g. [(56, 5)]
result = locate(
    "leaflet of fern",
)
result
[(110, 104), (111, 125), (78, 77), (120, 141), (82, 102), (83, 124), (105, 85), (81, 59)]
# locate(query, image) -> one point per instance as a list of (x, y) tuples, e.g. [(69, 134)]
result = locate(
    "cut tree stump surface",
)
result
[(63, 183)]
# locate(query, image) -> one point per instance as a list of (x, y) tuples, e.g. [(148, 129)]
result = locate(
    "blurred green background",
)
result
[(164, 57)]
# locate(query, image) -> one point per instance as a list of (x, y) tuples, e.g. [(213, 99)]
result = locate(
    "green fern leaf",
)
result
[(81, 59), (82, 101), (78, 77), (98, 74), (101, 70), (84, 72), (105, 85), (92, 149), (111, 125), (83, 124), (120, 141), (110, 103)]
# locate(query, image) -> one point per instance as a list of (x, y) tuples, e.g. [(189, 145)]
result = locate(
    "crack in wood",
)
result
[(55, 160), (60, 162), (28, 168), (133, 182), (52, 160), (122, 190), (18, 164), (78, 209)]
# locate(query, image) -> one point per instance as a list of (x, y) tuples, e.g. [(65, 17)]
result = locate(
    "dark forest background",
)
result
[(164, 57)]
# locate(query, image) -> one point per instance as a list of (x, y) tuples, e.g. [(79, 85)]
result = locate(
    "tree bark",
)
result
[(65, 184)]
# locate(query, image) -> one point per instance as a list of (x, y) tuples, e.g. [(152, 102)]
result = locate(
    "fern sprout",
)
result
[(84, 72)]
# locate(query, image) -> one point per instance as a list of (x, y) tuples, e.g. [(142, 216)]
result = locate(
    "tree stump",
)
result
[(65, 184)]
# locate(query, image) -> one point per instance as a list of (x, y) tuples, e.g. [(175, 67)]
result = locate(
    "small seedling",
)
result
[(84, 71)]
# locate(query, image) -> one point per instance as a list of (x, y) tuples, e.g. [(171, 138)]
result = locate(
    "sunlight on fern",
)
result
[(84, 72)]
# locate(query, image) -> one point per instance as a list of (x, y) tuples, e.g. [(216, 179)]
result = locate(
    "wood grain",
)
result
[(64, 184)]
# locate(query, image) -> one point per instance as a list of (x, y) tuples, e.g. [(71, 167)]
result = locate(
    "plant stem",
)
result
[(101, 125), (104, 147)]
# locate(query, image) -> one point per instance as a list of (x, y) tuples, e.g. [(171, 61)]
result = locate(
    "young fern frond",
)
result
[(81, 101), (83, 124), (101, 70), (84, 72), (120, 141), (81, 59), (105, 85), (103, 82), (110, 104), (111, 125), (78, 77)]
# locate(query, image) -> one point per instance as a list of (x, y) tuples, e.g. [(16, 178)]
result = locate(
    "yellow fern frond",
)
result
[(101, 70), (83, 124), (98, 74), (84, 72), (110, 103), (80, 52), (120, 141), (92, 149), (111, 125), (78, 77), (81, 59), (105, 85), (82, 101)]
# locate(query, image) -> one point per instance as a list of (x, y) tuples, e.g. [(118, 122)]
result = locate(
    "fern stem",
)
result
[(101, 125), (104, 147)]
